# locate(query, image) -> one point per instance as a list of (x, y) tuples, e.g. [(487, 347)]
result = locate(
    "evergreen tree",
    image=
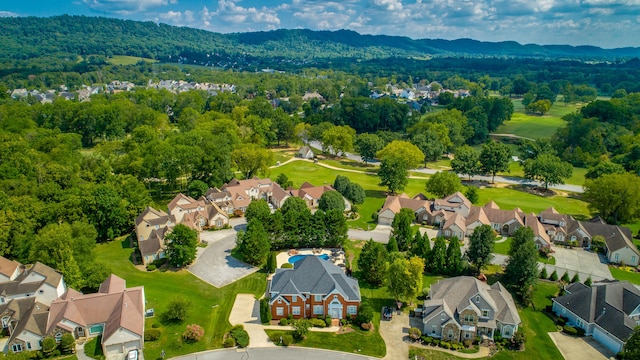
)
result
[(392, 245), (543, 273), (438, 258), (254, 243), (521, 236), (454, 263), (565, 277), (575, 278), (521, 274), (422, 248), (554, 276), (401, 228), (631, 348), (588, 282), (481, 247), (372, 263), (271, 262)]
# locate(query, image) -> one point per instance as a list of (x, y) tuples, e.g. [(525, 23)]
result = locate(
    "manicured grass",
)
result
[(509, 199), (417, 353), (128, 60), (344, 163), (620, 274), (281, 154), (577, 177), (93, 349), (367, 343), (531, 126), (210, 306)]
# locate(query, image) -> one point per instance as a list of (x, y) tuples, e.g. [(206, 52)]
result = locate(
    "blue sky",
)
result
[(605, 23)]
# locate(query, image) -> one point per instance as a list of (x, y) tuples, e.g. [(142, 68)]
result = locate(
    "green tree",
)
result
[(49, 345), (271, 262), (615, 197), (471, 193), (454, 261), (355, 193), (494, 158), (416, 269), (521, 273), (340, 184), (565, 278), (107, 211), (399, 278), (372, 263), (631, 348), (539, 106), (401, 230), (252, 160), (392, 245), (254, 243), (181, 245), (421, 246), (67, 343), (575, 278), (604, 168), (393, 175), (548, 169), (258, 209), (331, 200), (296, 220), (338, 139), (532, 149), (481, 247), (283, 181), (521, 236), (403, 152), (368, 145), (178, 310), (300, 328), (197, 188), (443, 184), (466, 161), (437, 263)]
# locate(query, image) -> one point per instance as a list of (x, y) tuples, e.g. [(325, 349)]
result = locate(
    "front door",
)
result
[(335, 313), (80, 331)]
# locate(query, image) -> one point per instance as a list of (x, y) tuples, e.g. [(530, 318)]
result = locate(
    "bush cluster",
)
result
[(240, 335), (152, 334), (265, 311), (317, 322), (193, 333), (281, 338), (449, 345)]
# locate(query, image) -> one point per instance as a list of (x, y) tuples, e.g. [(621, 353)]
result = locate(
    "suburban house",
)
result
[(115, 312), (236, 195), (313, 287), (9, 270), (311, 194), (153, 225), (607, 312), (457, 217), (464, 307), (305, 152)]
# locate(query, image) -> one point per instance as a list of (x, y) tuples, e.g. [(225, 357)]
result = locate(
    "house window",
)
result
[(469, 318), (450, 333), (485, 313), (633, 260), (96, 329), (352, 310), (58, 337), (294, 298), (318, 310), (279, 301), (295, 310), (579, 322), (279, 311), (442, 317), (5, 321), (28, 346), (219, 223), (506, 331), (467, 334), (317, 298), (16, 347), (433, 329), (616, 257), (477, 298)]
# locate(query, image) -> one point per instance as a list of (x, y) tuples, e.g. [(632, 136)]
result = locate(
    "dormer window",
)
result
[(477, 298)]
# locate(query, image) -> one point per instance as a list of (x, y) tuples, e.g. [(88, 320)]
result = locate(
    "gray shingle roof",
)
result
[(607, 305), (312, 275)]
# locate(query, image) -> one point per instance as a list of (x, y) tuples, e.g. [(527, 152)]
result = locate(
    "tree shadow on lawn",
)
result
[(376, 194)]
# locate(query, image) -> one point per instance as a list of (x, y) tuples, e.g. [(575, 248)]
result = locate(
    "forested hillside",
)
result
[(28, 37)]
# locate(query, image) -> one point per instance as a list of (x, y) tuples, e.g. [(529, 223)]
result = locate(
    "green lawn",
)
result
[(531, 126), (515, 169), (128, 60), (509, 199), (360, 342), (619, 274), (210, 306)]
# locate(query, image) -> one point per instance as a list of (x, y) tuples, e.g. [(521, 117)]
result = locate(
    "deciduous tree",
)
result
[(254, 243), (251, 160), (494, 158), (466, 161), (331, 200), (443, 184), (615, 197), (393, 175), (481, 247), (181, 245), (548, 169), (368, 145)]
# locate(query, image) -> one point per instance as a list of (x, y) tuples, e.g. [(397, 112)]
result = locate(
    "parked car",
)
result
[(132, 355)]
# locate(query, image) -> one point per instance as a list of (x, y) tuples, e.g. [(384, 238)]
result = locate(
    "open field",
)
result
[(128, 60), (210, 307), (531, 126)]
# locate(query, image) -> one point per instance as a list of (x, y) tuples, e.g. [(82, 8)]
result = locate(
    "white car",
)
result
[(132, 355)]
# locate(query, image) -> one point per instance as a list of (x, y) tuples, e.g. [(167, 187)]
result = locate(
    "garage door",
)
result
[(114, 350), (606, 340), (131, 345)]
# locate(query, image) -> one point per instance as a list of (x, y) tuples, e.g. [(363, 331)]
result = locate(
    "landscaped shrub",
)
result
[(275, 337), (193, 333), (229, 342), (565, 277), (152, 334), (570, 330), (241, 335), (327, 320), (177, 310), (554, 276), (575, 278), (588, 282), (159, 262), (468, 343), (415, 333), (286, 266), (561, 320), (287, 339), (155, 325), (151, 267), (543, 273), (265, 311), (284, 322), (320, 323), (365, 314), (49, 345), (300, 329)]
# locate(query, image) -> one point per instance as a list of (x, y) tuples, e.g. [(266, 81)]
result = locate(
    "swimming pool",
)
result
[(295, 258)]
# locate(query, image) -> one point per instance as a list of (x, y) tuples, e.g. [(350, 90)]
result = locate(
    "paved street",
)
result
[(280, 353)]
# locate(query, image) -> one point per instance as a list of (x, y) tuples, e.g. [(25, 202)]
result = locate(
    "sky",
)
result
[(604, 23)]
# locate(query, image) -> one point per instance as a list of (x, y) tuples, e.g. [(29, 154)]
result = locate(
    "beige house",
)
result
[(115, 312), (620, 247), (393, 204), (311, 194), (236, 195)]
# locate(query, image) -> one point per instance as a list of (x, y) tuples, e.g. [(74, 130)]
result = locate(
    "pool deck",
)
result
[(284, 256)]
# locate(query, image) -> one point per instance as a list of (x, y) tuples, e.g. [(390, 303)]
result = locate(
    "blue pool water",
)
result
[(295, 258)]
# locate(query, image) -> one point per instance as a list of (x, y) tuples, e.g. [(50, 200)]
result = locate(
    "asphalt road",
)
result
[(499, 179), (280, 353)]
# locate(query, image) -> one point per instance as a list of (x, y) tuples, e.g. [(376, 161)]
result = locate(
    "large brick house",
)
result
[(464, 307), (313, 288)]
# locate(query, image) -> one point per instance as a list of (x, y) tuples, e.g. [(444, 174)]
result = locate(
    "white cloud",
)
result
[(126, 7), (390, 5), (8, 14)]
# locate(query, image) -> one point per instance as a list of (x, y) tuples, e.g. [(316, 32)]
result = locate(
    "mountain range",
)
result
[(29, 37)]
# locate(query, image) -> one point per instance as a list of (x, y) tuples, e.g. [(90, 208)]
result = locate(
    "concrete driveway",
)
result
[(246, 311), (393, 332), (579, 348), (214, 264), (585, 263), (379, 234), (280, 353)]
